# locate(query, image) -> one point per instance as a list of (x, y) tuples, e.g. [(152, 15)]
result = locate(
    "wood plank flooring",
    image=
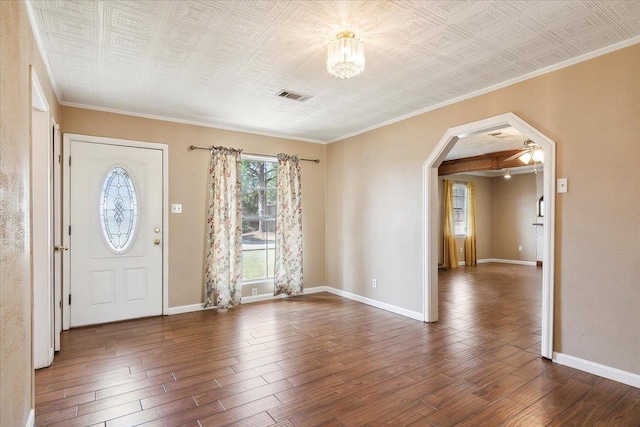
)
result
[(321, 360)]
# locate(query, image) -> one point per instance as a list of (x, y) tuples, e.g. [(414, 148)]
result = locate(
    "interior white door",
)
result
[(116, 232)]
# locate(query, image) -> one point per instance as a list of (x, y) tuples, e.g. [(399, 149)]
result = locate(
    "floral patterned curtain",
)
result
[(288, 258), (223, 267)]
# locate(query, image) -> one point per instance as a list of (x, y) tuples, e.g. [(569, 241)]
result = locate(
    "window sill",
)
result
[(258, 282)]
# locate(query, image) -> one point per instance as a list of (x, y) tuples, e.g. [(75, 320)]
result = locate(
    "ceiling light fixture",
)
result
[(538, 155), (525, 158), (508, 174), (530, 151), (345, 55)]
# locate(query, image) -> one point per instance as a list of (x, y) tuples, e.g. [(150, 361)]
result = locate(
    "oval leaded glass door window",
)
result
[(118, 210)]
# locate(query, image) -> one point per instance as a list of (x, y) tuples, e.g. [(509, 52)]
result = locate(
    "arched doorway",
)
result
[(430, 216)]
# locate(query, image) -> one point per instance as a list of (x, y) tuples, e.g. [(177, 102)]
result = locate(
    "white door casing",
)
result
[(41, 227), (430, 216), (107, 283), (57, 231)]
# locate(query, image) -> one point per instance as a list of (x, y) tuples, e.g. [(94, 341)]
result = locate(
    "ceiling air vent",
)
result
[(294, 96)]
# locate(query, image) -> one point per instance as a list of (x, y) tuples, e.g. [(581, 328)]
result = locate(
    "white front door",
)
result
[(116, 232)]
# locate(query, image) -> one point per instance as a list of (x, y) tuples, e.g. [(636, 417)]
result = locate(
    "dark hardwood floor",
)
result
[(324, 360)]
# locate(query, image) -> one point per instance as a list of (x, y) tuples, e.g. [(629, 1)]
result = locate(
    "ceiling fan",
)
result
[(530, 151)]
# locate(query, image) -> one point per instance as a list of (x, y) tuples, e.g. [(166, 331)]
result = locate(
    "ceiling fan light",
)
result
[(525, 158), (538, 155), (345, 55)]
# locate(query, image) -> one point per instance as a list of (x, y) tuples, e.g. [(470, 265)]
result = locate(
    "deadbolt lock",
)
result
[(157, 229), (156, 242)]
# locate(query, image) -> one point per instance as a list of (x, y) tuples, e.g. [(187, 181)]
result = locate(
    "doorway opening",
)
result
[(431, 216)]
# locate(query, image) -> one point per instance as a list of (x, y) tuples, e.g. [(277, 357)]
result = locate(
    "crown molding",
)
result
[(189, 122), (560, 65)]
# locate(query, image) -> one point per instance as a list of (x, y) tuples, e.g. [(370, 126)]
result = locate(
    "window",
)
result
[(258, 217), (118, 210), (460, 208)]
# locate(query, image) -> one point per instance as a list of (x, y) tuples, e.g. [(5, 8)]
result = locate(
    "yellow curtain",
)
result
[(470, 240), (450, 255)]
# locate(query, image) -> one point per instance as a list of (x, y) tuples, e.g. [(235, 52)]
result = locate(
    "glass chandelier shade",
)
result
[(345, 55), (525, 158), (538, 155)]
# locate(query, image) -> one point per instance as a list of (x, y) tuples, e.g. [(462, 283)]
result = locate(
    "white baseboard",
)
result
[(186, 308), (378, 304), (266, 297), (263, 297), (31, 419), (594, 368), (506, 261), (245, 300)]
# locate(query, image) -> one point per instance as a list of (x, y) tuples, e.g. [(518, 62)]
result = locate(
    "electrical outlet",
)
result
[(374, 283), (176, 208), (460, 250), (254, 292), (520, 248)]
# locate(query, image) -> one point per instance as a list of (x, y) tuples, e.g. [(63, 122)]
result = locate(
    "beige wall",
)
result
[(591, 110), (483, 217), (513, 215), (188, 184), (17, 52)]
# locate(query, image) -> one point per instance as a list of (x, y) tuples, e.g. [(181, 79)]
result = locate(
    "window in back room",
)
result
[(460, 208)]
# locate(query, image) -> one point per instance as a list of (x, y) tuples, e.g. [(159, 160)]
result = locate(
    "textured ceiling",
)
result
[(503, 139), (220, 63), (487, 142)]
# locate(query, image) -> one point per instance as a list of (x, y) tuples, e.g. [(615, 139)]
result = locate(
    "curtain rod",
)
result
[(193, 147)]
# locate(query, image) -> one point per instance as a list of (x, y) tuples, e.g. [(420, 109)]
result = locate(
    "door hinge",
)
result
[(69, 299), (69, 230), (59, 159), (69, 160)]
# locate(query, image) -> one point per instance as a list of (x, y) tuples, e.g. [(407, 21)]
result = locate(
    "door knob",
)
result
[(60, 248), (156, 242)]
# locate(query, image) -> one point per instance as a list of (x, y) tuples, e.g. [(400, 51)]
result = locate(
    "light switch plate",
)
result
[(176, 208), (562, 185)]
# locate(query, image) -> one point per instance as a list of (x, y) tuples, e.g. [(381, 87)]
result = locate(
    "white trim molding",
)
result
[(186, 308), (31, 419), (245, 300), (265, 297), (594, 368), (558, 66), (416, 315), (507, 261), (269, 297), (430, 206)]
